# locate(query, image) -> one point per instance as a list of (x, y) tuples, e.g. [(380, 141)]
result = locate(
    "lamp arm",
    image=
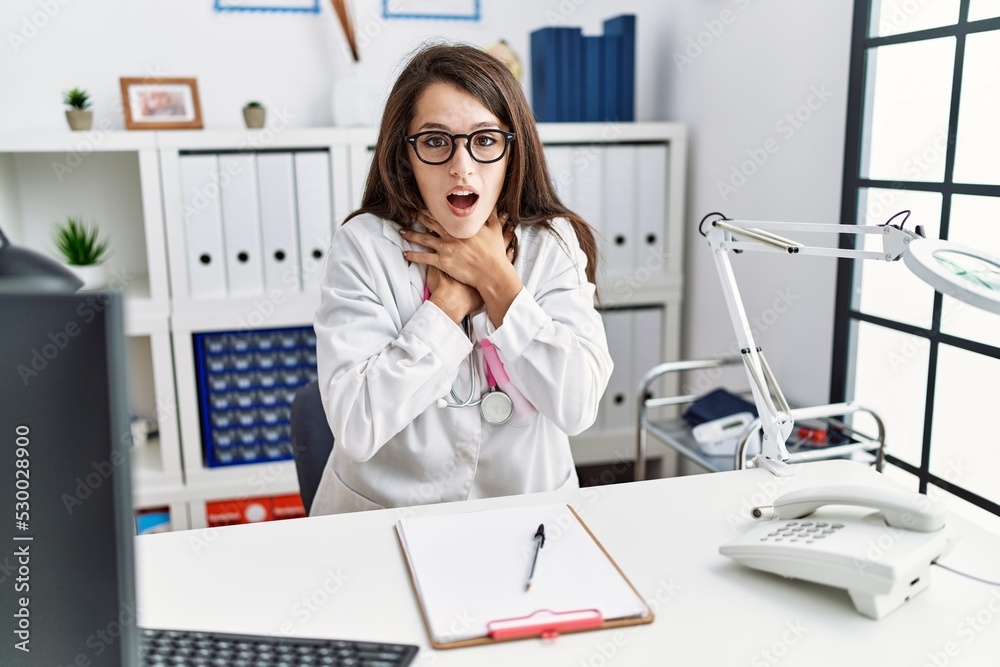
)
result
[(775, 421), (761, 238), (724, 236)]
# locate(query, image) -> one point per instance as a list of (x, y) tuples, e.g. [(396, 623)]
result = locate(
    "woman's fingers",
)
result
[(430, 223), (427, 240), (428, 258)]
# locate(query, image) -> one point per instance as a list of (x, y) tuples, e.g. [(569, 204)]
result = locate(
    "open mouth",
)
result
[(463, 200)]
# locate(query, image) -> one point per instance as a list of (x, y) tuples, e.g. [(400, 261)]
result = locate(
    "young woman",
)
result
[(457, 338)]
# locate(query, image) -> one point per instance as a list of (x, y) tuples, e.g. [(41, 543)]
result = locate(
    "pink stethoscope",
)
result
[(497, 405)]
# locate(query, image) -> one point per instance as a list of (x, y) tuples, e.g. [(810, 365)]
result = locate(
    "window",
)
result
[(924, 135)]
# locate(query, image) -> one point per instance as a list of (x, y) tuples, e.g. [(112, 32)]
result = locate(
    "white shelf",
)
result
[(151, 485), (143, 314), (275, 478), (81, 143), (236, 140), (603, 133), (624, 291), (263, 311)]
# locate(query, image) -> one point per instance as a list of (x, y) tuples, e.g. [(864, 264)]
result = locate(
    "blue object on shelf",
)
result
[(545, 76), (624, 27), (578, 78), (716, 404), (153, 521), (613, 46), (572, 67), (246, 384), (593, 79)]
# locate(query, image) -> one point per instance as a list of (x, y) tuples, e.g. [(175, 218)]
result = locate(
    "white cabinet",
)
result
[(113, 180), (627, 180), (162, 199)]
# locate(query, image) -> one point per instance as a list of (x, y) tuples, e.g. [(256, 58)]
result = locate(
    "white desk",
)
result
[(344, 576)]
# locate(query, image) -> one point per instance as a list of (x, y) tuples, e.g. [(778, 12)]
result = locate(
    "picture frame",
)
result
[(303, 6), (161, 103), (441, 10)]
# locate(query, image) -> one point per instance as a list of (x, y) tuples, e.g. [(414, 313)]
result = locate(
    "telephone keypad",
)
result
[(804, 531)]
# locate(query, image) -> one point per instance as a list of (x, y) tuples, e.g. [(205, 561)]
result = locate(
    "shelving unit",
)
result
[(113, 179), (130, 183)]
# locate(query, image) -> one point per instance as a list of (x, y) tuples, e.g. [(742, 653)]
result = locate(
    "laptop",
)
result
[(66, 569)]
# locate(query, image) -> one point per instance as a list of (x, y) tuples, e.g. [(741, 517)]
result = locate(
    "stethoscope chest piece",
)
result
[(496, 407)]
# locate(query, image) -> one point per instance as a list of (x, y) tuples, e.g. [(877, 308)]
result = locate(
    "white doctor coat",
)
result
[(385, 357)]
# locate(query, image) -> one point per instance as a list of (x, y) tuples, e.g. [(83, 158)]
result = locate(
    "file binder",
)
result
[(546, 76), (614, 49), (206, 263), (623, 27), (472, 567), (560, 163), (572, 72), (651, 196), (276, 183), (647, 343), (593, 79), (241, 224), (312, 191), (620, 208), (588, 175), (618, 403)]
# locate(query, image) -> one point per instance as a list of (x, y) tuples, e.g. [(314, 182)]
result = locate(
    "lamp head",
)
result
[(963, 273)]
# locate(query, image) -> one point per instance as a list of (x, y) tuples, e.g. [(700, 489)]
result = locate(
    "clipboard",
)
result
[(468, 571)]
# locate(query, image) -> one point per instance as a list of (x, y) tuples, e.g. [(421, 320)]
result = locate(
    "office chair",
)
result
[(312, 441)]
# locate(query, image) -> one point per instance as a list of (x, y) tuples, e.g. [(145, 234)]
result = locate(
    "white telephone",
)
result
[(882, 559)]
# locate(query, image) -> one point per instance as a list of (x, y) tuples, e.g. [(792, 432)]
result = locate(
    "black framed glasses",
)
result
[(438, 147)]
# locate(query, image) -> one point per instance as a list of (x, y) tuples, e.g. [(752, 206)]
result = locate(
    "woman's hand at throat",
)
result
[(480, 264)]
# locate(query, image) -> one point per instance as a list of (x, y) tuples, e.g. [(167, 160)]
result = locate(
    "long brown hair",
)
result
[(527, 195)]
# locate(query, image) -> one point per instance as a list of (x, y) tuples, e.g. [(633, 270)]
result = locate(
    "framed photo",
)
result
[(308, 6), (446, 10), (161, 104)]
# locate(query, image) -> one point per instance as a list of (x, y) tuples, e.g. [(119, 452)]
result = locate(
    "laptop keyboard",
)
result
[(178, 648)]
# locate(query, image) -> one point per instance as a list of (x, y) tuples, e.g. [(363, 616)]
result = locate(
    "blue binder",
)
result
[(613, 47), (624, 27), (593, 79), (545, 76), (572, 72)]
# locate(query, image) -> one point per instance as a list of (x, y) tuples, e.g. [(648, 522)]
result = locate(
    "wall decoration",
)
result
[(161, 103), (449, 10), (307, 6)]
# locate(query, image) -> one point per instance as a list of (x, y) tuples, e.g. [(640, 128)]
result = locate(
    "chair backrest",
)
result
[(312, 441)]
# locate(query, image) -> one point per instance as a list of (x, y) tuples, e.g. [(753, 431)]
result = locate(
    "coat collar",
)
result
[(417, 273)]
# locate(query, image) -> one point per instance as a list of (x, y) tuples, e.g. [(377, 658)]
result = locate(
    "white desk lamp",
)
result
[(969, 275)]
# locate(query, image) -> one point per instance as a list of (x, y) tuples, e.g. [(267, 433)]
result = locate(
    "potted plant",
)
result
[(253, 115), (78, 115), (83, 251)]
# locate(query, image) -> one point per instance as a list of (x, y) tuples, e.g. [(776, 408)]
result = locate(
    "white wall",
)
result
[(758, 62), (745, 65)]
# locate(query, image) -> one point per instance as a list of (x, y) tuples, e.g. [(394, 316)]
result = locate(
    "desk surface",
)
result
[(344, 577)]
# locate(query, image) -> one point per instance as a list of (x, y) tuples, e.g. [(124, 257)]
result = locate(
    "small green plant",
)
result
[(79, 244), (254, 105), (77, 99)]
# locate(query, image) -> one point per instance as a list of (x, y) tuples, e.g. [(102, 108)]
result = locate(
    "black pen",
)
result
[(539, 543)]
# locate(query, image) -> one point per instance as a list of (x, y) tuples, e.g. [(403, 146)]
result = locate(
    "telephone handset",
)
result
[(882, 559), (902, 509)]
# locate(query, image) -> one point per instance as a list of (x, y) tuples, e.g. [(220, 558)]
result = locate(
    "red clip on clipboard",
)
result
[(545, 623)]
